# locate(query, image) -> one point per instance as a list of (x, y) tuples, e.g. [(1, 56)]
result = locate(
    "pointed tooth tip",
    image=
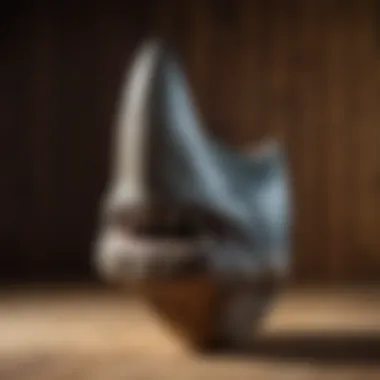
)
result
[(153, 43)]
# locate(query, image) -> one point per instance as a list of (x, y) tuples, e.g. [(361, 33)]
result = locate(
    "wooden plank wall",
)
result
[(307, 71)]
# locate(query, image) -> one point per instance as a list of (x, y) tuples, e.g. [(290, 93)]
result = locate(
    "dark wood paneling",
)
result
[(307, 71)]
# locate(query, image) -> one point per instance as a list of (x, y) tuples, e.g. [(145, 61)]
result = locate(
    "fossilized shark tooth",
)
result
[(234, 207)]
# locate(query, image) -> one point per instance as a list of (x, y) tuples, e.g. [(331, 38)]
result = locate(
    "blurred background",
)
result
[(307, 71)]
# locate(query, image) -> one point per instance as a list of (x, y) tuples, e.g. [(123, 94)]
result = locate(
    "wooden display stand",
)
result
[(190, 307), (194, 309)]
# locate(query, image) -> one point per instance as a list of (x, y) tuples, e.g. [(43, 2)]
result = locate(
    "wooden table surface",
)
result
[(86, 333)]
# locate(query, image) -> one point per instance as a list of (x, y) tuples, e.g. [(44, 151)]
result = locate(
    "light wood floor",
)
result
[(83, 333)]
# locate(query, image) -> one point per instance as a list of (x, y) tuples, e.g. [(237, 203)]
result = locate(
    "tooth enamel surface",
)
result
[(163, 153), (133, 119)]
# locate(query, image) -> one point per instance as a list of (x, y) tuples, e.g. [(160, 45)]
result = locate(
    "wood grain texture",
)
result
[(82, 333), (307, 72), (367, 142)]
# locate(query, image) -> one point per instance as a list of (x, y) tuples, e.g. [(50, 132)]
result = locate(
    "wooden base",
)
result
[(190, 307), (208, 315)]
